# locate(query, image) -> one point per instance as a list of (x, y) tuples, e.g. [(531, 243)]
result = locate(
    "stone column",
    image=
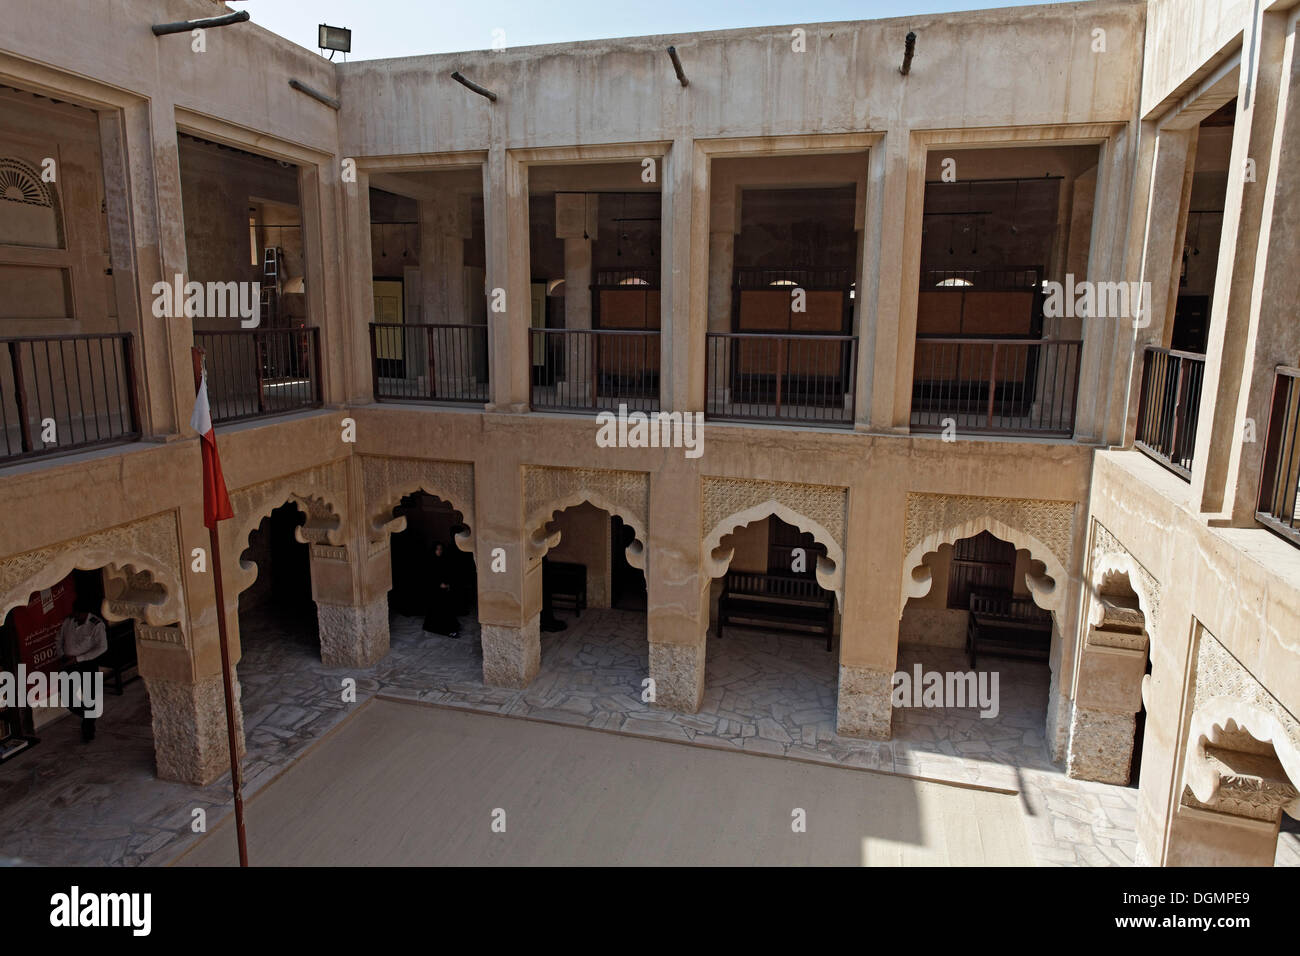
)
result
[(576, 218), (350, 584), (156, 253), (1243, 250), (509, 577), (350, 367), (870, 618), (1108, 694), (350, 588), (684, 299), (1274, 333), (890, 276), (442, 356), (724, 217), (505, 209), (677, 609), (1166, 217), (191, 741)]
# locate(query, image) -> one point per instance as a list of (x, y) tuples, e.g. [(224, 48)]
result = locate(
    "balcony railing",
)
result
[(255, 373), (757, 376), (1168, 407), (588, 369), (995, 386), (66, 392), (429, 363), (1279, 481)]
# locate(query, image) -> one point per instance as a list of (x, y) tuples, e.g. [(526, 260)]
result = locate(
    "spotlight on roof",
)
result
[(334, 39)]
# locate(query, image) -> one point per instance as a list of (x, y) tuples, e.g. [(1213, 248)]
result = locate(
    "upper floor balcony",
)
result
[(61, 393)]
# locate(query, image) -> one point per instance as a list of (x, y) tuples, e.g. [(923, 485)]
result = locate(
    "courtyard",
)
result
[(767, 696)]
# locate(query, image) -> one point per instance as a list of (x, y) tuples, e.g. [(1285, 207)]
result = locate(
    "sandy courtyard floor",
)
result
[(424, 785)]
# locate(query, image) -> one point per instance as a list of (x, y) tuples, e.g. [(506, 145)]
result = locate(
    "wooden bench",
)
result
[(566, 581), (777, 603), (1001, 625)]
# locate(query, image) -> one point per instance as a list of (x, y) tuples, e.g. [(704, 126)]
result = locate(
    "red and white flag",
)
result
[(216, 502)]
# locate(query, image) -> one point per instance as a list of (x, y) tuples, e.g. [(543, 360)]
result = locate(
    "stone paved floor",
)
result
[(100, 803)]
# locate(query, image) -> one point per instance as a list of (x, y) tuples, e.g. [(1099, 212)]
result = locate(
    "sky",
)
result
[(387, 28)]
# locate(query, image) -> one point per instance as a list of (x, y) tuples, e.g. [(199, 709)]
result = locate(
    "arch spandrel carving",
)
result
[(131, 551), (820, 510), (318, 492), (1111, 557), (1232, 711), (1041, 527), (386, 481), (549, 490)]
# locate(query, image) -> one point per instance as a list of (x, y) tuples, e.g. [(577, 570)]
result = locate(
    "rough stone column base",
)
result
[(678, 673), (1101, 746), (866, 704), (1059, 718), (511, 655), (189, 728), (353, 635)]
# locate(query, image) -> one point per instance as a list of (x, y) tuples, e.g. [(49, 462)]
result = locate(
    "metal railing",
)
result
[(254, 373), (1279, 481), (429, 363), (1169, 404), (758, 376), (588, 369), (996, 386), (66, 392)]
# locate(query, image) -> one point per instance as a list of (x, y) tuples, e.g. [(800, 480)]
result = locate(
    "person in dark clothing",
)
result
[(440, 617)]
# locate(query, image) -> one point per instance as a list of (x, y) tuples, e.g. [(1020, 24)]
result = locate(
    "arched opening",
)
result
[(435, 584), (974, 645), (87, 698), (594, 646), (773, 625), (1241, 801), (277, 615)]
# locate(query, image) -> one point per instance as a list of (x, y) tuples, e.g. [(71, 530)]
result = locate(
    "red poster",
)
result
[(37, 625)]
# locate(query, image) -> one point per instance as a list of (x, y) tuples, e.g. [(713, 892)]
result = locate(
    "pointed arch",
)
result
[(542, 540), (830, 568), (1048, 589)]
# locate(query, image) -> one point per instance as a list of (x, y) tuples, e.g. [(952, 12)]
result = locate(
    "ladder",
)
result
[(271, 259)]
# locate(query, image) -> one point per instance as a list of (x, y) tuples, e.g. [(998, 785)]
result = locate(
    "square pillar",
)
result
[(505, 211), (1234, 320), (684, 299), (509, 577), (1107, 698), (677, 607)]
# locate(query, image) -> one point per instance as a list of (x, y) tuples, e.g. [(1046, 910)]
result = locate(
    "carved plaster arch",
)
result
[(541, 539), (1229, 701), (830, 567), (387, 481), (315, 492), (1220, 721), (1047, 589), (548, 491), (146, 547)]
